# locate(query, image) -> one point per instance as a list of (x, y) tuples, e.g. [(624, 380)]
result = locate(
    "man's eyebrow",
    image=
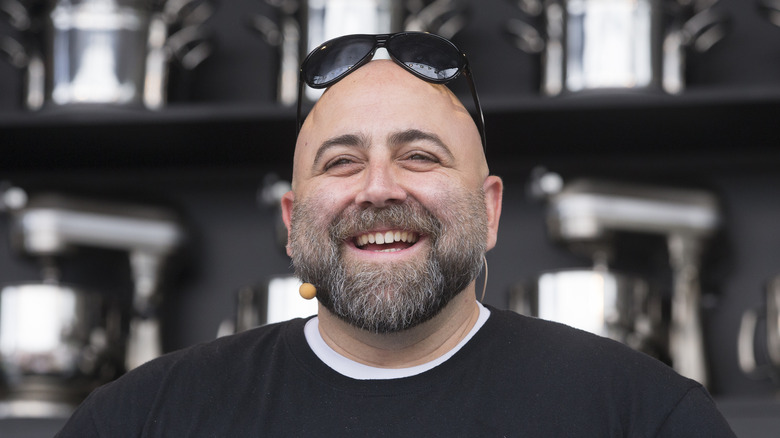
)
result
[(412, 135), (351, 140)]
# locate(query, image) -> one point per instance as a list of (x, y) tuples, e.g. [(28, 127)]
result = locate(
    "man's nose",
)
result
[(380, 188)]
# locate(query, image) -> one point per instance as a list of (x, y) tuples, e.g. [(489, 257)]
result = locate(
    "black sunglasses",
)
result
[(428, 56)]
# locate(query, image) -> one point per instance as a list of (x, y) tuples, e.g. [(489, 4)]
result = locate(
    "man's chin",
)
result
[(383, 327)]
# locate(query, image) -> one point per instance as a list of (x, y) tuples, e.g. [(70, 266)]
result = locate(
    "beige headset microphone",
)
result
[(307, 291)]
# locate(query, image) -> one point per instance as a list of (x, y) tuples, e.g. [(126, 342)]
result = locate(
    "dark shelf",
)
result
[(178, 136), (706, 127), (729, 127)]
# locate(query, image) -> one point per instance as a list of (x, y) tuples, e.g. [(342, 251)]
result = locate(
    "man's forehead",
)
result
[(381, 78), (379, 84)]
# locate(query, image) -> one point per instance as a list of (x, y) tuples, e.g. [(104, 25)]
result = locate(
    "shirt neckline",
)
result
[(355, 370)]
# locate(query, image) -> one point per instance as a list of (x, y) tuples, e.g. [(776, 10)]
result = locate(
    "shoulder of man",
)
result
[(572, 364), (122, 407), (562, 344)]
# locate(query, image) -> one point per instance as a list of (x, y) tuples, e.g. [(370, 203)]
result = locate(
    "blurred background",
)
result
[(144, 146)]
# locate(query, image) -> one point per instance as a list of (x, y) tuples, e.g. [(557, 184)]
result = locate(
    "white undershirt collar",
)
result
[(359, 371)]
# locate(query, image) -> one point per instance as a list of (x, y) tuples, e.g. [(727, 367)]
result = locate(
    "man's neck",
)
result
[(412, 347)]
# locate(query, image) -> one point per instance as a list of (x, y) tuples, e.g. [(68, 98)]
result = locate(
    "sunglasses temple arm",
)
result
[(298, 120), (475, 96)]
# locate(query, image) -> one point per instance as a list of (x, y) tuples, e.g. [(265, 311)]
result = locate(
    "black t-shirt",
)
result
[(518, 376)]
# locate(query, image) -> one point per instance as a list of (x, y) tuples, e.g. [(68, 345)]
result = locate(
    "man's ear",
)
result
[(287, 206), (493, 188)]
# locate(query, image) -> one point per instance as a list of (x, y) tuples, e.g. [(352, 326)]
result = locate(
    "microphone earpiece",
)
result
[(308, 291)]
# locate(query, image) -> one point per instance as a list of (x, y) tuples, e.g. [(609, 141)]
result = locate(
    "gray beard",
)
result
[(390, 298)]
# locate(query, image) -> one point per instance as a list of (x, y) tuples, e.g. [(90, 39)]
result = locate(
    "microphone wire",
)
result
[(484, 285)]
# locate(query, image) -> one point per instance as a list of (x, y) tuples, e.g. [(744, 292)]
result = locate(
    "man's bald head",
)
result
[(381, 98)]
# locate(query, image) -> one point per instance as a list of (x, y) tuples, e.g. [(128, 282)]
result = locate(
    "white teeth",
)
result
[(386, 237)]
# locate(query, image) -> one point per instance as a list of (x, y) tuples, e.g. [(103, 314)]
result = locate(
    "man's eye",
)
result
[(339, 162), (422, 157)]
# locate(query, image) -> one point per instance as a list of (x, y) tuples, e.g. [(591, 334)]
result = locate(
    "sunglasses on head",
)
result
[(428, 56)]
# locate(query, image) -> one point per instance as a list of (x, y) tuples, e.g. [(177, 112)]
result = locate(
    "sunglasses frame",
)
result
[(380, 41)]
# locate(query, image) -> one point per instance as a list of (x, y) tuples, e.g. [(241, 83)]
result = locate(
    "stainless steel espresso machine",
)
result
[(275, 298), (103, 52), (59, 341), (586, 215), (615, 45), (295, 27)]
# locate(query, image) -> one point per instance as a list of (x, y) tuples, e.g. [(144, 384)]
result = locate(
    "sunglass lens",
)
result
[(429, 56), (335, 58)]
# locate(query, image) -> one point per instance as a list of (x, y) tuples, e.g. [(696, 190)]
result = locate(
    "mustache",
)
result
[(411, 215)]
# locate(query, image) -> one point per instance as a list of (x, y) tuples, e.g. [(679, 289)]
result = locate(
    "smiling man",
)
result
[(391, 211), (390, 214)]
